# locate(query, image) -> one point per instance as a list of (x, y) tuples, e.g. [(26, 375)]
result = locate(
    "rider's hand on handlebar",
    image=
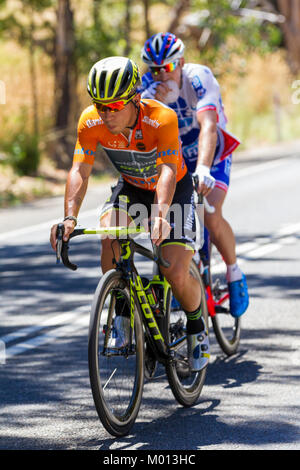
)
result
[(69, 226), (206, 180), (160, 229)]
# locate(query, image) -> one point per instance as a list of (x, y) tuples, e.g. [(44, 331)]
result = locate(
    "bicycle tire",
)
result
[(227, 329), (186, 386), (117, 413)]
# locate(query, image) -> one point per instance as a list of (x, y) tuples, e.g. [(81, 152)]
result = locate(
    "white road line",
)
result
[(260, 167), (288, 230), (78, 324), (263, 250), (235, 175), (74, 324), (53, 321), (40, 227), (254, 250), (78, 319)]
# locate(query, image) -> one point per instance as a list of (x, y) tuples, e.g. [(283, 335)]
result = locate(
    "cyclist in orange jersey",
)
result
[(141, 139)]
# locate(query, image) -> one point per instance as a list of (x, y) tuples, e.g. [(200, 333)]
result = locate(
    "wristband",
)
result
[(71, 217), (202, 170)]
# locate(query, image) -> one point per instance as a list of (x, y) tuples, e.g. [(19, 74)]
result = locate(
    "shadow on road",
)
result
[(48, 388)]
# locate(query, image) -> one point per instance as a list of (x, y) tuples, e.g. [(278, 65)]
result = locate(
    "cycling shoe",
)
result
[(239, 298), (198, 350)]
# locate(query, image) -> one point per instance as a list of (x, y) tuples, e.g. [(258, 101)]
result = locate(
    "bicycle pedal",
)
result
[(220, 309)]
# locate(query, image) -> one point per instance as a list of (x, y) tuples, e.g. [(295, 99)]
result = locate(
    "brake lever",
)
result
[(59, 237), (62, 248)]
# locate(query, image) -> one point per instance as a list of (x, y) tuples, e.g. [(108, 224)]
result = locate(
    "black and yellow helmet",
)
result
[(113, 78)]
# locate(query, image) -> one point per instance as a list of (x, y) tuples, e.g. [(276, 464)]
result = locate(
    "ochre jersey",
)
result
[(153, 141)]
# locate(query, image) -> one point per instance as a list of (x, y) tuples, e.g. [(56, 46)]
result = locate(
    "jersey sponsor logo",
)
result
[(168, 152), (140, 146), (83, 151), (151, 122), (133, 163), (116, 144), (138, 134), (94, 122), (198, 87)]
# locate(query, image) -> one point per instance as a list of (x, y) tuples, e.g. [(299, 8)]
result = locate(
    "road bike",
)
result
[(156, 333), (212, 268)]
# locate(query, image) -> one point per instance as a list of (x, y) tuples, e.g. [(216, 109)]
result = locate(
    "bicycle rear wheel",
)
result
[(185, 384), (227, 328), (116, 375)]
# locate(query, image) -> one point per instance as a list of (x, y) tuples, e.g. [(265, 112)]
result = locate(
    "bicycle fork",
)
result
[(136, 287)]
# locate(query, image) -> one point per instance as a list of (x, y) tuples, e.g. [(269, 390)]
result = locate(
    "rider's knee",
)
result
[(213, 222), (176, 276)]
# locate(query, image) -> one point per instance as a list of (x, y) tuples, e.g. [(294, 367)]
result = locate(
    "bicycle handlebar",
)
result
[(62, 247), (201, 199)]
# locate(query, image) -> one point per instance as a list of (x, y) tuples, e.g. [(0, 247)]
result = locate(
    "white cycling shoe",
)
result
[(198, 350), (121, 332)]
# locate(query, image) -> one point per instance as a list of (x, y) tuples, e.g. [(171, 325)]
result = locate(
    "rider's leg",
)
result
[(188, 292), (220, 231), (185, 288), (223, 238), (111, 249)]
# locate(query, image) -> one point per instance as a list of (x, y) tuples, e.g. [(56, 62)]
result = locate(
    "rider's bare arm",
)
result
[(208, 137), (206, 149), (76, 187)]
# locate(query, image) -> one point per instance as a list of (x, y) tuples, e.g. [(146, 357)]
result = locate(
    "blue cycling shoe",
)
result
[(239, 298), (175, 305)]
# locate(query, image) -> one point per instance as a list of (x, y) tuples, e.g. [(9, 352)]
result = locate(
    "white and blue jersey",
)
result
[(199, 92)]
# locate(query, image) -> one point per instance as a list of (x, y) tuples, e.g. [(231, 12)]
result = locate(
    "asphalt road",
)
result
[(250, 401)]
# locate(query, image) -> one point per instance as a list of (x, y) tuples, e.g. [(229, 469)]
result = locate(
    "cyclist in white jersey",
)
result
[(194, 93)]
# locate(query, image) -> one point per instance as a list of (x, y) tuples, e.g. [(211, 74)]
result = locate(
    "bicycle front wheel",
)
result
[(185, 384), (227, 328), (116, 374)]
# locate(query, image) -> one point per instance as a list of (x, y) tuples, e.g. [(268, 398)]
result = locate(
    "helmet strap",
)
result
[(137, 108)]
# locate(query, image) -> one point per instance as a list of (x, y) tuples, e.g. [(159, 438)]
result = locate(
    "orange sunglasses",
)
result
[(113, 107)]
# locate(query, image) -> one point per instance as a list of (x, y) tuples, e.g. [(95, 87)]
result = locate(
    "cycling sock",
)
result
[(122, 307), (233, 273), (195, 322)]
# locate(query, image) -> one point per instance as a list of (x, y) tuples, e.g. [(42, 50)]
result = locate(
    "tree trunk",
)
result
[(179, 9), (33, 79), (146, 18), (127, 27), (65, 86), (291, 30)]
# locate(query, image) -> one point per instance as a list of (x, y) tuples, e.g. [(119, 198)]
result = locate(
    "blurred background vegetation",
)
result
[(47, 48)]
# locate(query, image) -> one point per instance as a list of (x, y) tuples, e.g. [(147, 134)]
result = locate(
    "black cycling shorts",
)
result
[(138, 203)]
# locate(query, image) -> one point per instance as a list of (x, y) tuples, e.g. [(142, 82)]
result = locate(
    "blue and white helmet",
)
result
[(161, 49)]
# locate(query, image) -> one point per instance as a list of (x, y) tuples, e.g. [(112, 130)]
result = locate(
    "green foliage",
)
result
[(93, 44), (230, 32), (23, 153), (104, 36)]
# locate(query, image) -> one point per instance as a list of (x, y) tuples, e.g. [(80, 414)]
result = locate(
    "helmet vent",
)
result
[(93, 82), (157, 48), (124, 83), (102, 84), (112, 83)]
